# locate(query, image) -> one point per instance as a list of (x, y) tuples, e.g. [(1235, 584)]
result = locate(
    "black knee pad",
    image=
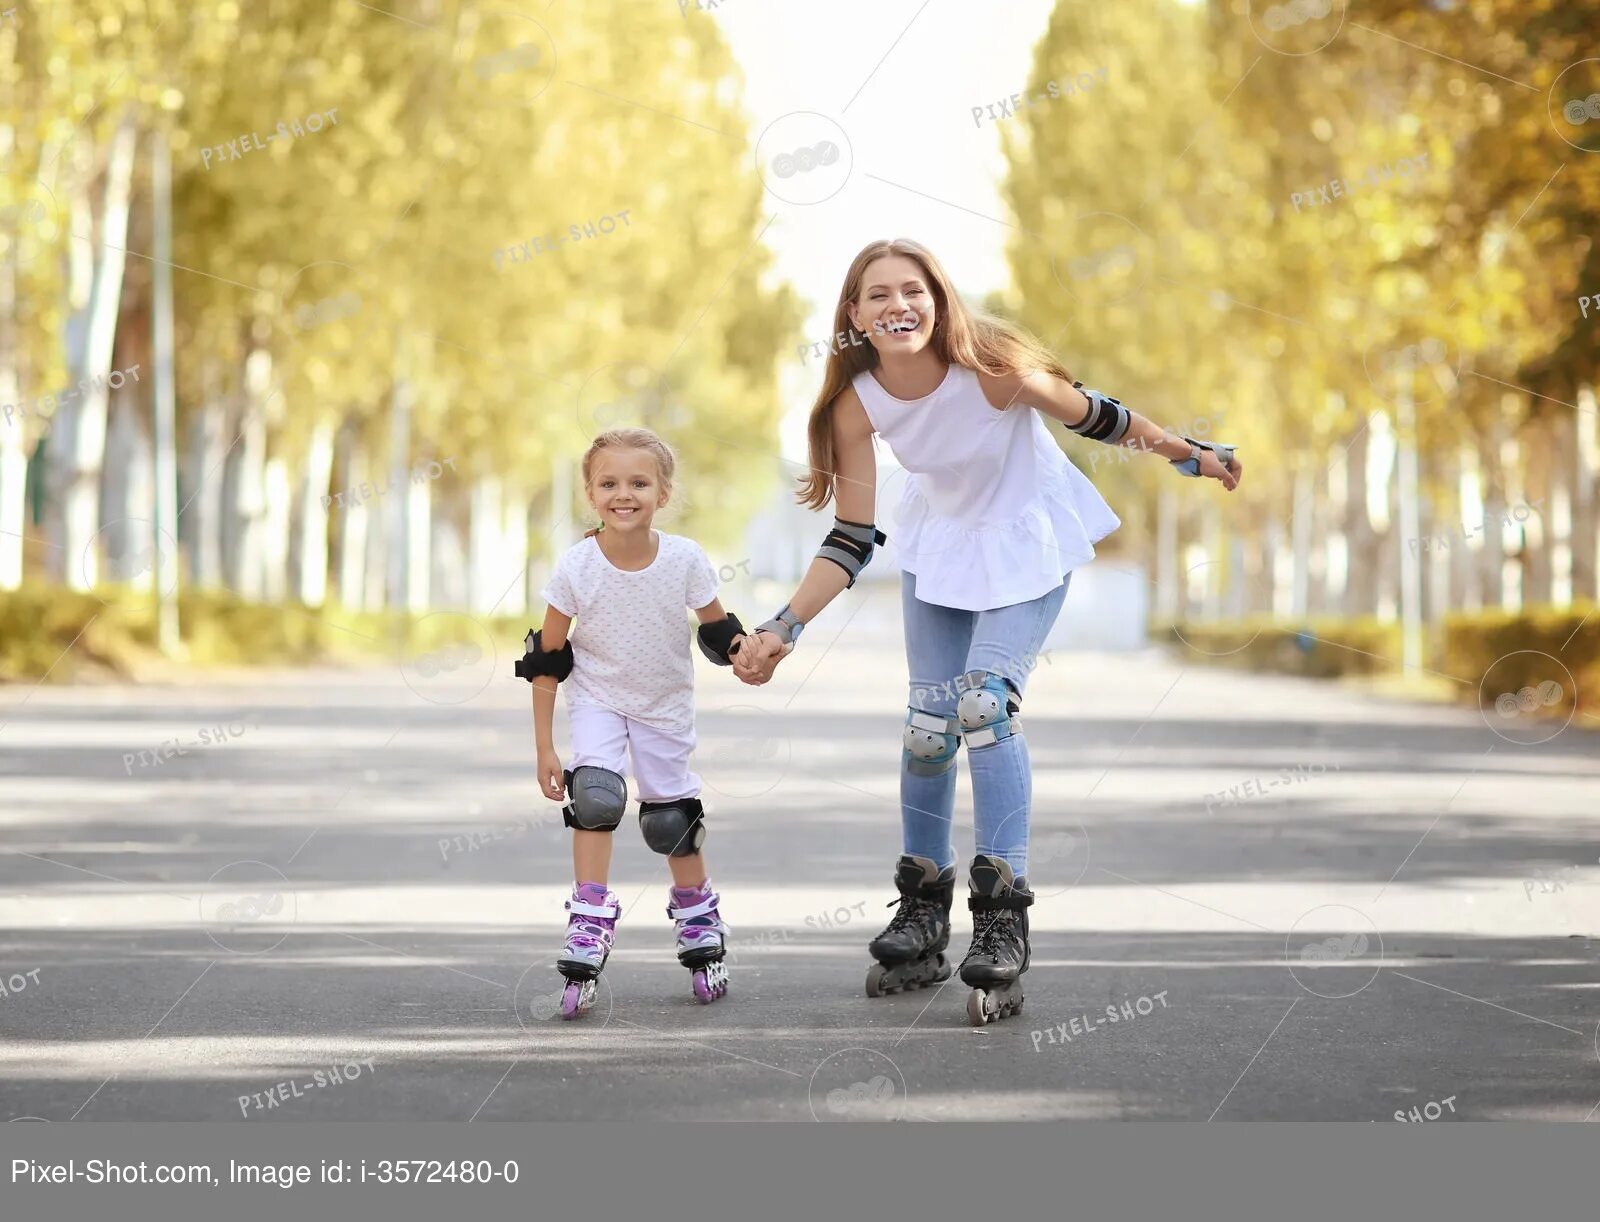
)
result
[(597, 798), (674, 829)]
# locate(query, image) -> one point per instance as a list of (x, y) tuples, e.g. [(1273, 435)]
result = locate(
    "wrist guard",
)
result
[(1107, 420), (538, 661), (849, 545), (716, 638), (1191, 466), (785, 625)]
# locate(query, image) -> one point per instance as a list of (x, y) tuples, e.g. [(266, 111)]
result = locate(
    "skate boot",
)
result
[(999, 952), (591, 927), (910, 952), (702, 939)]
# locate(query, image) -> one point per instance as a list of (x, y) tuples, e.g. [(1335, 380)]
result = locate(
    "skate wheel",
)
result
[(710, 982), (978, 1013), (577, 997), (875, 975)]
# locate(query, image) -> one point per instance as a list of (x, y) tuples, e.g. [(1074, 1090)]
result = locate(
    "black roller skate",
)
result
[(999, 952), (910, 952)]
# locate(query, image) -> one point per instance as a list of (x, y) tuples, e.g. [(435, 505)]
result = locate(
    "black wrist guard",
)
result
[(716, 638), (538, 661)]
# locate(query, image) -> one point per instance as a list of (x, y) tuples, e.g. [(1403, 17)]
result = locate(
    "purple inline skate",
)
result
[(702, 938), (593, 912)]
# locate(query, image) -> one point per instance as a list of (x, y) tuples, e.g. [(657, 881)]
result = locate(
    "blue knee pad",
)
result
[(987, 709), (930, 742)]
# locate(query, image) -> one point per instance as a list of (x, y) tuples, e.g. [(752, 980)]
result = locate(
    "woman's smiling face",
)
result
[(896, 308)]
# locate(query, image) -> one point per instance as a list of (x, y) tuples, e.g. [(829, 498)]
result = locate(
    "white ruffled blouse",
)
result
[(992, 512)]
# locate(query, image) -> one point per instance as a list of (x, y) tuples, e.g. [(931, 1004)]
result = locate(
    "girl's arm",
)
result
[(552, 636), (1060, 400), (855, 496)]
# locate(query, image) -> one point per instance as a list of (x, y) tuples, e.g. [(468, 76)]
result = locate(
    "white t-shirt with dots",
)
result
[(631, 636)]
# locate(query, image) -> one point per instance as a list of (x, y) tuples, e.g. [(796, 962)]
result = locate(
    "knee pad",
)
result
[(674, 829), (987, 709), (930, 742), (597, 798)]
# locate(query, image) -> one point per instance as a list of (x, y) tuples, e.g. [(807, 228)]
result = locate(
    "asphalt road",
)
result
[(336, 895)]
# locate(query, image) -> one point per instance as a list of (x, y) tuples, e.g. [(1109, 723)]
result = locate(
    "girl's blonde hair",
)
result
[(961, 336), (632, 438)]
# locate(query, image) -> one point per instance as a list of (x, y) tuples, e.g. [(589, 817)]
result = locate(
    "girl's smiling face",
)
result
[(625, 489), (896, 308)]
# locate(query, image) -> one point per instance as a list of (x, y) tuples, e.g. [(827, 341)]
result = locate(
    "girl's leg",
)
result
[(1006, 643), (599, 740), (937, 644), (661, 764), (661, 767)]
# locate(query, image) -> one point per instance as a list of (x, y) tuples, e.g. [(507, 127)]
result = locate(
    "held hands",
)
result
[(551, 783), (758, 656)]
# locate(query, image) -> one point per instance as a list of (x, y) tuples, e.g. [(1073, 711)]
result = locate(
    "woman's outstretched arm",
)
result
[(1060, 400), (855, 493)]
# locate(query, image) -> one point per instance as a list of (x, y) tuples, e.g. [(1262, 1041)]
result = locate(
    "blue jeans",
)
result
[(943, 644)]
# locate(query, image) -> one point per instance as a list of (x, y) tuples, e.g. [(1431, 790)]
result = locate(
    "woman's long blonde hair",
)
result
[(961, 336), (631, 439)]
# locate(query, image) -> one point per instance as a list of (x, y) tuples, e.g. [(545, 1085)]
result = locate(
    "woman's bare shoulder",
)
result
[(850, 414), (1002, 390)]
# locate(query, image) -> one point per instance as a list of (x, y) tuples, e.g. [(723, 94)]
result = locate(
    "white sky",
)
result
[(911, 124)]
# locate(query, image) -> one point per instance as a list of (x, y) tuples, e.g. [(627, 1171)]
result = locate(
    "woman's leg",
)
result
[(937, 640), (1005, 646)]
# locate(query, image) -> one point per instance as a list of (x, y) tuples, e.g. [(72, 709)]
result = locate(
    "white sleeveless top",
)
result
[(992, 512)]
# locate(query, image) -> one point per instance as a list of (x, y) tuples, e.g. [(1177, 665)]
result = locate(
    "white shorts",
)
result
[(601, 738)]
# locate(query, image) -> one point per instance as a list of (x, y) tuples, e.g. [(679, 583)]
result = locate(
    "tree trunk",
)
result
[(78, 429), (1361, 540), (128, 494), (353, 523), (1585, 502), (311, 547), (1533, 534), (277, 503), (485, 549), (246, 492), (513, 593), (13, 430), (200, 516)]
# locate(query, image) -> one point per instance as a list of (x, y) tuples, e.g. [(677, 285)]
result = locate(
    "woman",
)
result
[(992, 522)]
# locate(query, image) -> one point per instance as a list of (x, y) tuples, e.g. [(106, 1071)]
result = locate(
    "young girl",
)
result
[(993, 520), (630, 687)]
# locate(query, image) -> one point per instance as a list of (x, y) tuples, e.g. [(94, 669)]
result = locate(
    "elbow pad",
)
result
[(716, 637), (849, 545), (538, 661), (1107, 420)]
